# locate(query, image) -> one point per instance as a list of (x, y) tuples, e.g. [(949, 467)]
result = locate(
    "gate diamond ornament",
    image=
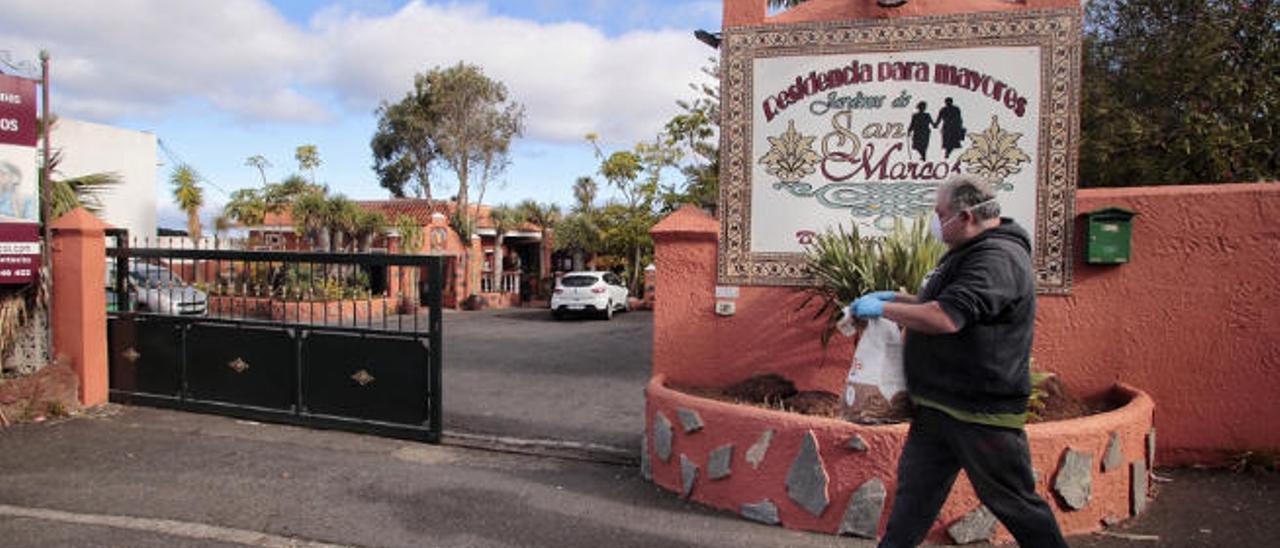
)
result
[(238, 365), (362, 377), (131, 355)]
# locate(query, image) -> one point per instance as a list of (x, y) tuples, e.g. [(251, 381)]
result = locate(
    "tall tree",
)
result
[(403, 148), (308, 157), (260, 163), (189, 196), (1180, 91), (311, 219), (454, 117)]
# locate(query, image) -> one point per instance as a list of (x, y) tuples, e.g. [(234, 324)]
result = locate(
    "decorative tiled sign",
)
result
[(859, 122)]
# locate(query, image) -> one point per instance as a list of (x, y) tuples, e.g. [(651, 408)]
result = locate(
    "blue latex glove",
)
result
[(867, 306), (886, 296)]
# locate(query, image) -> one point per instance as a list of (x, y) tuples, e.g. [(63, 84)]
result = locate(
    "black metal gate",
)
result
[(334, 340)]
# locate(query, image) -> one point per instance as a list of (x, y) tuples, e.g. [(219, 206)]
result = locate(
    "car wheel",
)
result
[(608, 311), (557, 315)]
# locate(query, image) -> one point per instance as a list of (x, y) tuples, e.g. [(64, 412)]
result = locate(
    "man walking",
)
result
[(966, 354)]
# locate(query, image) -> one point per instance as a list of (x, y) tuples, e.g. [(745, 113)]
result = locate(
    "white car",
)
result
[(601, 293)]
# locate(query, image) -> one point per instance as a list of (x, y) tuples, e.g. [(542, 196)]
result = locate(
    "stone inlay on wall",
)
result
[(662, 436), (862, 517), (1151, 449), (1138, 487), (1114, 457), (688, 473), (756, 453), (856, 443), (977, 526), (1075, 481), (718, 464), (690, 420), (763, 512), (807, 479)]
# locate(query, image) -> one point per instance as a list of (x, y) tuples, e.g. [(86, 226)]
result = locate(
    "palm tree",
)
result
[(504, 219), (340, 220), (368, 224), (546, 216), (410, 243), (189, 196), (246, 207), (584, 194), (311, 219), (260, 163), (579, 234)]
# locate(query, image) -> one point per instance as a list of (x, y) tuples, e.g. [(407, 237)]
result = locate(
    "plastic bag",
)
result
[(876, 388)]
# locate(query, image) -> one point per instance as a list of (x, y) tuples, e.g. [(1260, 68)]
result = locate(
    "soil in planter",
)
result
[(773, 391)]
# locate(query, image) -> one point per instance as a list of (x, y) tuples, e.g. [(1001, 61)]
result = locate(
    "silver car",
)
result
[(154, 288)]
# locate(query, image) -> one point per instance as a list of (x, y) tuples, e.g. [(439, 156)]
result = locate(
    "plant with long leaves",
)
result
[(845, 266)]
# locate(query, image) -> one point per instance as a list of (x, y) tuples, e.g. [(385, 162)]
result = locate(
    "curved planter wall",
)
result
[(836, 477)]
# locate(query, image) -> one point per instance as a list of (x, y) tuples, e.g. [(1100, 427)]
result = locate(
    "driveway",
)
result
[(519, 373)]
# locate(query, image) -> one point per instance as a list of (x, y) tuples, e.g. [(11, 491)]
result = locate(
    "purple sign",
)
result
[(19, 253), (17, 111)]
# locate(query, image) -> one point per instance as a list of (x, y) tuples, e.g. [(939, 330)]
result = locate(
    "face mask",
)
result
[(936, 225)]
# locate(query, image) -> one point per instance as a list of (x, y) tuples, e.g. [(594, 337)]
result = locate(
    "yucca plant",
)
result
[(845, 266)]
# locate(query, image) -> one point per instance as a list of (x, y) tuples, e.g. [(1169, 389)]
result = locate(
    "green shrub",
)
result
[(845, 266)]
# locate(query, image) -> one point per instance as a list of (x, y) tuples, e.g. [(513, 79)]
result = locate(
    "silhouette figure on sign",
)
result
[(953, 131), (920, 129)]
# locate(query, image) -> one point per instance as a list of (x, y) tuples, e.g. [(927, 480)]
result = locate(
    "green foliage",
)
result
[(1180, 91), (455, 117), (410, 234), (246, 206), (260, 163), (308, 157), (188, 195), (695, 134), (846, 266)]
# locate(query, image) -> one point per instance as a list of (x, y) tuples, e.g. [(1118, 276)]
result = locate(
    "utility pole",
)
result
[(46, 204)]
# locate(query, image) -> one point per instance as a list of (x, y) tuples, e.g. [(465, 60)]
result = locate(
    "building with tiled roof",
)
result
[(525, 264)]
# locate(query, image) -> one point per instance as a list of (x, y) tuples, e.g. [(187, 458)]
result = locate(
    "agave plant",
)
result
[(845, 266)]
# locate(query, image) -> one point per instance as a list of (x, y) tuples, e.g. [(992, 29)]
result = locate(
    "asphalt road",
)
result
[(519, 373)]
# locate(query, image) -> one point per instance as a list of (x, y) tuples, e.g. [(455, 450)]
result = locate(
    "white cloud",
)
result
[(241, 57)]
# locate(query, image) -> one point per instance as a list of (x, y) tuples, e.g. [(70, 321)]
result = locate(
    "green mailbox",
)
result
[(1109, 233)]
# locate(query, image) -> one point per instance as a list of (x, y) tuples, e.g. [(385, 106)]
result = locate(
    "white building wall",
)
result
[(91, 148)]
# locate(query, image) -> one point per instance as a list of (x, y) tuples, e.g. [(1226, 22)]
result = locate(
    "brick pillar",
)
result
[(79, 315)]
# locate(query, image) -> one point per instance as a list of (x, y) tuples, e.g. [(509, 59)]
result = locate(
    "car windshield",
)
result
[(580, 280), (157, 275)]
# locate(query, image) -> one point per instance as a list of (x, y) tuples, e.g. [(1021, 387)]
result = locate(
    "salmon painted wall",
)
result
[(1193, 320)]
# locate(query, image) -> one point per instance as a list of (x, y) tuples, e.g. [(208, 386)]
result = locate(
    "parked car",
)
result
[(154, 288), (596, 293)]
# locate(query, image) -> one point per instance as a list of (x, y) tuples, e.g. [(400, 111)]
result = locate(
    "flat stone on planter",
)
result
[(764, 512), (977, 526), (688, 473), (690, 420), (1114, 457), (1138, 487), (862, 517), (856, 443), (807, 479), (718, 464), (755, 453), (1074, 482), (662, 437)]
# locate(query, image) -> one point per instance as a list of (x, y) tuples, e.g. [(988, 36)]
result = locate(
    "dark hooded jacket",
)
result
[(987, 287)]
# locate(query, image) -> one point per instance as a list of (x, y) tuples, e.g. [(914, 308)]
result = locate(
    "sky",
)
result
[(218, 82)]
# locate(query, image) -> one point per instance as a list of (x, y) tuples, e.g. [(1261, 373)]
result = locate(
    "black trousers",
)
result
[(998, 464)]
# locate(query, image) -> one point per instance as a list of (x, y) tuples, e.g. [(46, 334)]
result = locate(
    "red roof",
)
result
[(418, 209)]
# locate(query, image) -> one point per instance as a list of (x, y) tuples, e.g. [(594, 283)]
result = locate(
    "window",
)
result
[(579, 280)]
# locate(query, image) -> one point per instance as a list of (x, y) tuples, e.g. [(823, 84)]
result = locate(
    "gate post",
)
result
[(79, 315)]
